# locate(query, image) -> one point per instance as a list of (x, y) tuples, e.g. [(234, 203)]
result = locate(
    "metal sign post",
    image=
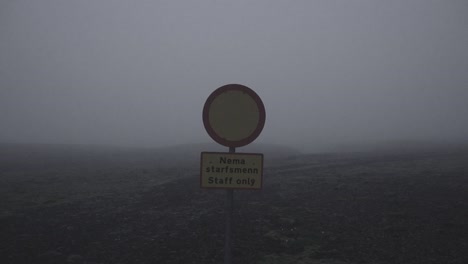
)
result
[(229, 210), (233, 116)]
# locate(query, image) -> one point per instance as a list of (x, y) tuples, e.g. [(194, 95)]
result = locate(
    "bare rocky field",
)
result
[(64, 205)]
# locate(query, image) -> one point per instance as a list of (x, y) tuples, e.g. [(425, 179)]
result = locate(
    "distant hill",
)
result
[(184, 154), (397, 146), (420, 146)]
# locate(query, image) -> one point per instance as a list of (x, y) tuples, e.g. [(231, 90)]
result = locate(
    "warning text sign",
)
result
[(231, 170)]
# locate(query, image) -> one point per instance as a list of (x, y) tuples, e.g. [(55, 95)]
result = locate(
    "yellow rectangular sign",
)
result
[(231, 170)]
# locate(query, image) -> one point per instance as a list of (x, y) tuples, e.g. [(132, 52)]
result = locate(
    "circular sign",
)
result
[(233, 115)]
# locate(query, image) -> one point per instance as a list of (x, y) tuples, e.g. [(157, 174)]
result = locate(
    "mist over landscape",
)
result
[(137, 73), (104, 156)]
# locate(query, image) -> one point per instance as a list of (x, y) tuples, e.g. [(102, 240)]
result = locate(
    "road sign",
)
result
[(231, 170), (234, 115)]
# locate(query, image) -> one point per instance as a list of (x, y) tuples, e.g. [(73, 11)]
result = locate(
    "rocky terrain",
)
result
[(84, 205)]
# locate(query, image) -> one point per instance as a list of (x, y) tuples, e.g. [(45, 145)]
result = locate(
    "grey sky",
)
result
[(138, 72)]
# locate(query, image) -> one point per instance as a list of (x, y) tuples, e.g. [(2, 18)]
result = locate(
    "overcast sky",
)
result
[(138, 72)]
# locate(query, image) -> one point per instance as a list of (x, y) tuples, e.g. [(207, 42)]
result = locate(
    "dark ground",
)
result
[(334, 208)]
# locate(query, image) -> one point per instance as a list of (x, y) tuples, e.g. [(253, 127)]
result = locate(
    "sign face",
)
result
[(231, 170), (234, 115)]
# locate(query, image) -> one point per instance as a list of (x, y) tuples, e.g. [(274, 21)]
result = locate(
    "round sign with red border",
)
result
[(234, 115)]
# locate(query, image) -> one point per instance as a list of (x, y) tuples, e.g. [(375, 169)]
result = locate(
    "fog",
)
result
[(137, 73)]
